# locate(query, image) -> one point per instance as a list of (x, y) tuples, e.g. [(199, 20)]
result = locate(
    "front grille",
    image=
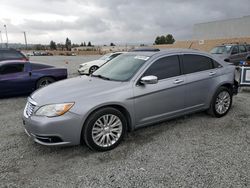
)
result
[(29, 109)]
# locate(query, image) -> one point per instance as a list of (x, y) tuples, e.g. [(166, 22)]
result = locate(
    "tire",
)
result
[(221, 102), (93, 69), (42, 82), (97, 134)]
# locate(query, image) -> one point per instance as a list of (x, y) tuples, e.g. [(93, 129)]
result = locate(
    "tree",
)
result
[(52, 45), (68, 44), (89, 44), (75, 45), (112, 44), (169, 39), (84, 44), (60, 46), (39, 47), (81, 44), (157, 40)]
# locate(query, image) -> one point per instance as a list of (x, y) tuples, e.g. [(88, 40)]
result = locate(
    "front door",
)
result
[(14, 79), (156, 102)]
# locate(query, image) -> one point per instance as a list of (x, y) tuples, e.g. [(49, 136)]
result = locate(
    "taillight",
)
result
[(25, 59)]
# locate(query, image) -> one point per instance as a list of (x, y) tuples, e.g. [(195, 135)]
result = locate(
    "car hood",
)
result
[(74, 89), (95, 62)]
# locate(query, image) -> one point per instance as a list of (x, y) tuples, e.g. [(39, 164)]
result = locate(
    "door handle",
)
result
[(177, 81), (212, 73)]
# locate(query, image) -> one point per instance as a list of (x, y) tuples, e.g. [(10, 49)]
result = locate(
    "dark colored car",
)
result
[(145, 50), (22, 77), (11, 54), (233, 53)]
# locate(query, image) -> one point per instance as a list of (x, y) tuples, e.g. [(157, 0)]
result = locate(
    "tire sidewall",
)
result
[(96, 67), (87, 133), (42, 79), (221, 89)]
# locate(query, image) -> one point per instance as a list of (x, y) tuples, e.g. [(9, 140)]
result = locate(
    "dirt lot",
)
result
[(191, 151)]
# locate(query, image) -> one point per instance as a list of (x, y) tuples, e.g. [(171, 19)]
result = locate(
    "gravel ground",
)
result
[(192, 151)]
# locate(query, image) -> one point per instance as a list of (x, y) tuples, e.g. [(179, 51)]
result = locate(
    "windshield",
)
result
[(121, 68), (221, 50), (105, 56)]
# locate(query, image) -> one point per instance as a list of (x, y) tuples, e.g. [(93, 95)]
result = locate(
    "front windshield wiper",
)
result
[(100, 76)]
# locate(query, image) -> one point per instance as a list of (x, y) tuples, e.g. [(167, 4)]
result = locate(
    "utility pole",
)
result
[(25, 39), (7, 40), (1, 39)]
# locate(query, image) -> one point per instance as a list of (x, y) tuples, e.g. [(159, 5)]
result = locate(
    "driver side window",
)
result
[(11, 68), (165, 67), (235, 50)]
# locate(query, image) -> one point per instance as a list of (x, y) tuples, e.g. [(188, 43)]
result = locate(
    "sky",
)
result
[(106, 21)]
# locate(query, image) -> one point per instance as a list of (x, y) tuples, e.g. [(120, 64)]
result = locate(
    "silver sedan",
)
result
[(135, 89)]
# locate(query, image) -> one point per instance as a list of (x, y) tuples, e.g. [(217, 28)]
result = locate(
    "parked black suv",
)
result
[(233, 53), (11, 54)]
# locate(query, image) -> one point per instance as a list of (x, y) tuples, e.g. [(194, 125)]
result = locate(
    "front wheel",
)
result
[(104, 129), (221, 102), (44, 82), (93, 69)]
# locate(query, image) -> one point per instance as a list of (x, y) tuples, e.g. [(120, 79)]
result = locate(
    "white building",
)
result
[(231, 28)]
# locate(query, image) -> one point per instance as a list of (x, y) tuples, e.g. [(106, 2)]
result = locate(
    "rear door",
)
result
[(14, 79), (201, 72), (155, 102)]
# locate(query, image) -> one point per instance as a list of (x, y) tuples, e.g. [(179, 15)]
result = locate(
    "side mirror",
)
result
[(227, 60), (149, 80)]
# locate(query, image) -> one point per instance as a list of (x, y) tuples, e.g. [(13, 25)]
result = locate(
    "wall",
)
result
[(237, 27), (206, 46)]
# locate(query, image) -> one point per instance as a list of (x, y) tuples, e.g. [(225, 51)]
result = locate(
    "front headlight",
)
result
[(53, 110), (81, 66)]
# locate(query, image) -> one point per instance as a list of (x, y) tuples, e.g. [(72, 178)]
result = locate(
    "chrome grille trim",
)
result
[(29, 108)]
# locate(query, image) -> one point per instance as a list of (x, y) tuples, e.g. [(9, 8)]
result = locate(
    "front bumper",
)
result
[(62, 130)]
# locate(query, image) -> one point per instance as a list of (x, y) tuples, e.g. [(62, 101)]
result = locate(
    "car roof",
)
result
[(118, 53), (167, 51)]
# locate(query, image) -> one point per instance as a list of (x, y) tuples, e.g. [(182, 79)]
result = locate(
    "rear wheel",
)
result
[(104, 129), (221, 102), (44, 82), (93, 69)]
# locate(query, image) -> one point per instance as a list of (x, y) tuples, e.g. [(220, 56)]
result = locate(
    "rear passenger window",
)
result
[(242, 49), (164, 68), (196, 63)]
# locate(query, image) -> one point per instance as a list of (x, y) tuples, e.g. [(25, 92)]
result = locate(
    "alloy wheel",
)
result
[(222, 103), (107, 130)]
